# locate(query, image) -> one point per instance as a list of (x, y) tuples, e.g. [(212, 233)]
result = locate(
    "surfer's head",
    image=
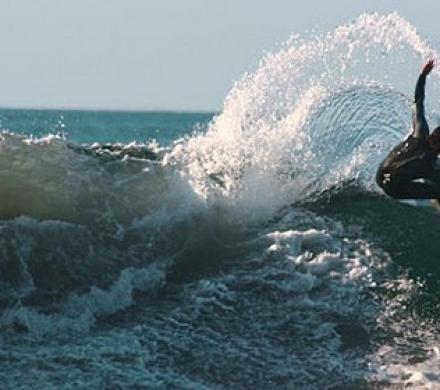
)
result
[(434, 140)]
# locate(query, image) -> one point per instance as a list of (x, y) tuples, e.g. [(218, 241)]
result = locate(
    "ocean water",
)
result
[(249, 248), (104, 127)]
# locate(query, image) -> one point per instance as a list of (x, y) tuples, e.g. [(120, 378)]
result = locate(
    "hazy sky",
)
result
[(164, 54)]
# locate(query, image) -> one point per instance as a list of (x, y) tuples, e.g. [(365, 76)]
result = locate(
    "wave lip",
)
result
[(318, 112)]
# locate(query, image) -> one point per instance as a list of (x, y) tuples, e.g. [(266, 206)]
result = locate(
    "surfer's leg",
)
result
[(417, 190), (397, 188)]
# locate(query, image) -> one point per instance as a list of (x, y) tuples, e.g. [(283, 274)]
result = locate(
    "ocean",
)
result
[(248, 248)]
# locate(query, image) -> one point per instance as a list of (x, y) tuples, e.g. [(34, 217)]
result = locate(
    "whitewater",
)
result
[(250, 250)]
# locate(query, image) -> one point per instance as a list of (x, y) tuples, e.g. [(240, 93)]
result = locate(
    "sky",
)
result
[(145, 55)]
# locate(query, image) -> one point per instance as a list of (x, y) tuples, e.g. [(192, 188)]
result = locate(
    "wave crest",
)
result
[(316, 112)]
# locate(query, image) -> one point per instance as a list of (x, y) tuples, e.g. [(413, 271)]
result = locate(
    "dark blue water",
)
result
[(116, 273)]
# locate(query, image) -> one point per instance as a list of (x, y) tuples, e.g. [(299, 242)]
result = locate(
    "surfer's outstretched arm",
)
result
[(420, 126)]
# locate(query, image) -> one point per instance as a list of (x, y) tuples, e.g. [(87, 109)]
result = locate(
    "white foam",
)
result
[(312, 115), (78, 314)]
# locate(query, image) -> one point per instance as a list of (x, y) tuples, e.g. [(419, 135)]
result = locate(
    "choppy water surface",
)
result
[(254, 252)]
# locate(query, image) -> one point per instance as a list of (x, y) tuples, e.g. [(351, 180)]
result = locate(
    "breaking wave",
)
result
[(252, 224)]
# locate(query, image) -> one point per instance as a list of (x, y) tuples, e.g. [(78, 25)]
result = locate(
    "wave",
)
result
[(317, 112), (77, 218), (403, 230), (271, 210), (314, 115)]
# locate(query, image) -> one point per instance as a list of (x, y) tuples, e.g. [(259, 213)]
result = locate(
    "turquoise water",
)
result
[(103, 127)]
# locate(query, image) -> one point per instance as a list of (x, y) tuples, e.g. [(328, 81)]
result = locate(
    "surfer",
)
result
[(413, 159)]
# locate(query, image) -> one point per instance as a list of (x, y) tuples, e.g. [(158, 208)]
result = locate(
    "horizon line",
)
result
[(116, 110)]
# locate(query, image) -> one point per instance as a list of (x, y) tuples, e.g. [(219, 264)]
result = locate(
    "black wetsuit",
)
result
[(412, 159)]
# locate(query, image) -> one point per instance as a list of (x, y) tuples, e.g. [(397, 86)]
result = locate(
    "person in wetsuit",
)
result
[(413, 159)]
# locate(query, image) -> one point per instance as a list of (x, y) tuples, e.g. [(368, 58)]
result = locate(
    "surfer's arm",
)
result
[(420, 126)]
